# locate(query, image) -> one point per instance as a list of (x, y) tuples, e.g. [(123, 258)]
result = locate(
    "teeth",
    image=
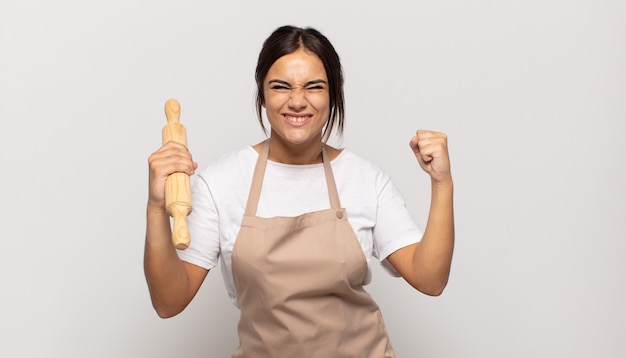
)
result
[(296, 119)]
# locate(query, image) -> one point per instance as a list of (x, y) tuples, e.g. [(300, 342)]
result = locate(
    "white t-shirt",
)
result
[(375, 208)]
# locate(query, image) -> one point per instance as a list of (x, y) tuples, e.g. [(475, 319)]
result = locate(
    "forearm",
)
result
[(433, 255), (165, 272)]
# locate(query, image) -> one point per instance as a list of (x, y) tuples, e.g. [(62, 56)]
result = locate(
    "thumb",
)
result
[(419, 155)]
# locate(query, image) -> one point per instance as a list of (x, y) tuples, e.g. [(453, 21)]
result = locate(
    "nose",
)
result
[(297, 100)]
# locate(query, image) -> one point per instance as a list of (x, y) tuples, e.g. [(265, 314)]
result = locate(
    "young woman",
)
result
[(295, 221)]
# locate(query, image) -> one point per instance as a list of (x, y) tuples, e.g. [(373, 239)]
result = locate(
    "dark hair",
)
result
[(289, 39)]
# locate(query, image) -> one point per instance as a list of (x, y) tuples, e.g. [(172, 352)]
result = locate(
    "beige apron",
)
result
[(299, 283)]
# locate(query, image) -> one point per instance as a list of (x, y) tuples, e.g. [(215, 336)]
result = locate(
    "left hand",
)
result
[(431, 150)]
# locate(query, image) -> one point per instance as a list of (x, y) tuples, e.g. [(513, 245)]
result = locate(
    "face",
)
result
[(297, 100)]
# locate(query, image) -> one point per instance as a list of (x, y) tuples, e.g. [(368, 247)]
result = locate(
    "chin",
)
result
[(298, 139)]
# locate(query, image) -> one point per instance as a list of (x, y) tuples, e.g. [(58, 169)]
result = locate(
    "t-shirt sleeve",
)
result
[(203, 224), (395, 227)]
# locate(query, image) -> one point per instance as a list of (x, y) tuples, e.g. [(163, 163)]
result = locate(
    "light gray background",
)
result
[(531, 93)]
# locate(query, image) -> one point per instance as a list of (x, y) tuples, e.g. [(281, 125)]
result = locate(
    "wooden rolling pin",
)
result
[(177, 187)]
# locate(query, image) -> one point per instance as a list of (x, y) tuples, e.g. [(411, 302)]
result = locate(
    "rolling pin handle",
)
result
[(180, 234), (172, 111)]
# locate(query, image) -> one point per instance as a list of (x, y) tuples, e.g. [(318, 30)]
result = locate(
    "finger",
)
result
[(171, 160), (171, 147), (425, 156), (177, 163), (435, 141), (413, 143), (425, 148), (420, 148)]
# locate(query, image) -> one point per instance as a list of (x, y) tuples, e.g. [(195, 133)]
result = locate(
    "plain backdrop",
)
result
[(532, 95)]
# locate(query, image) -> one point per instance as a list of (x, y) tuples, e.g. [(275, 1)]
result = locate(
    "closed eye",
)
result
[(280, 88), (316, 88)]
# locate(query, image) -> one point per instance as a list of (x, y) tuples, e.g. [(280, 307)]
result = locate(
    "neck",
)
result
[(298, 154)]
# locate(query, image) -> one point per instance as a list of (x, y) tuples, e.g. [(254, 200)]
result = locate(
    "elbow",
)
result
[(167, 306), (434, 283), (166, 311), (433, 289)]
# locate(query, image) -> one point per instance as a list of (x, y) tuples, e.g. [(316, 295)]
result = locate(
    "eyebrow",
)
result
[(312, 82)]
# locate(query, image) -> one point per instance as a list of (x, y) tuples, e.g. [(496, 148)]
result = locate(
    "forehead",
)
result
[(297, 66)]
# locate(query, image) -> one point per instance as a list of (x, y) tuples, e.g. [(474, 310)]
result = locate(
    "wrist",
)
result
[(442, 184), (157, 208)]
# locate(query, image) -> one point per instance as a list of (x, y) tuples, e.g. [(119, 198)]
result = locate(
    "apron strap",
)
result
[(257, 180), (330, 181), (259, 173)]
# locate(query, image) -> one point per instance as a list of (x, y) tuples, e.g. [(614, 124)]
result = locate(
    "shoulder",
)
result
[(231, 161), (229, 169), (353, 168), (349, 160)]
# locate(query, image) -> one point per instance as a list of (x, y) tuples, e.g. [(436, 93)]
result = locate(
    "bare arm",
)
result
[(426, 265), (172, 282)]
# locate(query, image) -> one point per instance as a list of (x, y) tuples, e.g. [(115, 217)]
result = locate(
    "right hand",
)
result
[(171, 158)]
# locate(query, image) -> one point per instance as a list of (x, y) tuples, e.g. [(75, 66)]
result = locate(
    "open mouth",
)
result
[(296, 119)]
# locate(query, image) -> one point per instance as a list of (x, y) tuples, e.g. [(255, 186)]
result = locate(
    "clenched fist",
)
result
[(431, 151), (171, 158)]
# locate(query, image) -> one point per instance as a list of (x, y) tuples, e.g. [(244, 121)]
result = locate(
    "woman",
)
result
[(296, 221)]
